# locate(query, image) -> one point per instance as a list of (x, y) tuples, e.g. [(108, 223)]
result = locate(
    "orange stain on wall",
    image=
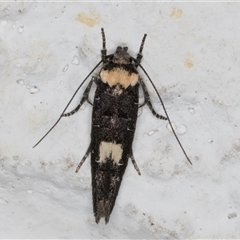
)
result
[(188, 62), (90, 19), (176, 12)]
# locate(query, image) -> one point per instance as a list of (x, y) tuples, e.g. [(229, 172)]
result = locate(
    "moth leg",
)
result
[(142, 104), (84, 98), (148, 101), (84, 158), (134, 163), (90, 102)]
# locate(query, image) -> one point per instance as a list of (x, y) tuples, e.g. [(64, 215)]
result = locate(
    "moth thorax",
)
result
[(119, 76), (117, 90)]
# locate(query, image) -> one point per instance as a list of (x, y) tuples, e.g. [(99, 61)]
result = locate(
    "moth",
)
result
[(114, 117)]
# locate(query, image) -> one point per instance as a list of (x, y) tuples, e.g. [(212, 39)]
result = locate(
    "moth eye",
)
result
[(119, 49), (125, 49)]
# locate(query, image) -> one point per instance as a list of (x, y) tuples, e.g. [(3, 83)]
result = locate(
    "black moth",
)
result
[(114, 116)]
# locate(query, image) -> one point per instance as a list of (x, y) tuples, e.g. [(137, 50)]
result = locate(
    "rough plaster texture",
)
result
[(192, 54)]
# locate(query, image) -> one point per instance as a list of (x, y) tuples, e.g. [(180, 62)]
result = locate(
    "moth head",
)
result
[(121, 56)]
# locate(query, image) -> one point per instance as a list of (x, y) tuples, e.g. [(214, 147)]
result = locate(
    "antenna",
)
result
[(68, 104), (104, 50), (139, 56), (165, 113)]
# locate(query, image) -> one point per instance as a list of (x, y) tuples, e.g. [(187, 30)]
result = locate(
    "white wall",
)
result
[(192, 54)]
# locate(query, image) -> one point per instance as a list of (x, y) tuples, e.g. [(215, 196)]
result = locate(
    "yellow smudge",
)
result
[(90, 19), (188, 62), (176, 13)]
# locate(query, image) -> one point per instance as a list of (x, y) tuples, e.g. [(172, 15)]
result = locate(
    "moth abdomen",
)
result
[(106, 181)]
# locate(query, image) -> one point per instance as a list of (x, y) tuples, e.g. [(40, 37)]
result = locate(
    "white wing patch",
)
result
[(119, 76), (110, 149)]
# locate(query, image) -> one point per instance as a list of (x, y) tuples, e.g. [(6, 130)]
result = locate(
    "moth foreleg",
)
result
[(84, 98), (148, 101), (84, 158), (134, 163), (141, 105)]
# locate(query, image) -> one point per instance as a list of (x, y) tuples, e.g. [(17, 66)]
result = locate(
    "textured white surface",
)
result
[(192, 54)]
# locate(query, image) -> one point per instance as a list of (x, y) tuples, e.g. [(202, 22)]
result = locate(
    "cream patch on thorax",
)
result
[(110, 149), (119, 76)]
